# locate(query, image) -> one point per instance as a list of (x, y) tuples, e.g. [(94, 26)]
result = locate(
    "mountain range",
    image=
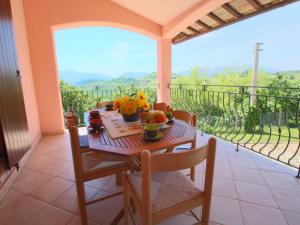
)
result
[(85, 78), (82, 78)]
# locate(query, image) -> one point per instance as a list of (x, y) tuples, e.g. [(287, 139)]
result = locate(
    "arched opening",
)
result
[(96, 64)]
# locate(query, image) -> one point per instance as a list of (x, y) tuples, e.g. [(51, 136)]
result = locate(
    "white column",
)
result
[(255, 72), (164, 70)]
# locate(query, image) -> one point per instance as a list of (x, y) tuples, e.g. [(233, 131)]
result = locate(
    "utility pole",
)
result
[(255, 71)]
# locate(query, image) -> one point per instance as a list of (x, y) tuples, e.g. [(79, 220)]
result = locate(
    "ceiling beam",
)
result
[(255, 4), (193, 29), (199, 22), (185, 19), (215, 18), (184, 34), (231, 10)]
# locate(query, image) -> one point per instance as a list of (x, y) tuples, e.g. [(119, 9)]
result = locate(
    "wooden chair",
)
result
[(160, 191), (102, 104), (161, 106), (191, 119), (185, 116), (71, 119), (89, 166)]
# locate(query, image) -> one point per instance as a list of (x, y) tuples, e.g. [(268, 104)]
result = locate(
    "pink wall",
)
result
[(44, 16), (25, 69)]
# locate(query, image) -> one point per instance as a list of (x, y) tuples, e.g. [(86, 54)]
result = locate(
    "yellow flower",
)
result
[(141, 96), (117, 104), (129, 108), (129, 105)]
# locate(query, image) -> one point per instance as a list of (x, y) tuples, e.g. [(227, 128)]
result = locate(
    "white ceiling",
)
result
[(159, 11)]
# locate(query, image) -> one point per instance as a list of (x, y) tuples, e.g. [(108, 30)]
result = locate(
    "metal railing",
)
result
[(264, 123), (83, 100)]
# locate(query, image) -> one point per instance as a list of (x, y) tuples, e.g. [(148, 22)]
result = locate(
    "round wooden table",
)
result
[(178, 133)]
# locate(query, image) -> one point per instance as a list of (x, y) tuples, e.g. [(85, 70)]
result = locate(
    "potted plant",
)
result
[(131, 106)]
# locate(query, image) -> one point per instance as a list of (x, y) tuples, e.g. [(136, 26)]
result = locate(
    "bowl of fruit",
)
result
[(154, 117)]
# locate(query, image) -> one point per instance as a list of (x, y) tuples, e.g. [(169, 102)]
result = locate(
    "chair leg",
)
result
[(206, 211), (118, 178), (81, 202), (126, 201)]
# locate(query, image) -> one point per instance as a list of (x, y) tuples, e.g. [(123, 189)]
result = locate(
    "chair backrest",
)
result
[(161, 106), (177, 161), (185, 116), (76, 153), (102, 104), (71, 118)]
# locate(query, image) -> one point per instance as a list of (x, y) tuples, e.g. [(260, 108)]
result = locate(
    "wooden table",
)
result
[(177, 134)]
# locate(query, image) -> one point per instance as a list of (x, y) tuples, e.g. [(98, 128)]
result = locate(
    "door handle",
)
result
[(18, 74)]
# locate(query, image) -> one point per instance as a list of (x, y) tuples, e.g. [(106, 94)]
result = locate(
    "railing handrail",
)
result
[(234, 86)]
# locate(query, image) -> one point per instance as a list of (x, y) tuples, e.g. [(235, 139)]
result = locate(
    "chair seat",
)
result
[(83, 141), (100, 161), (168, 189)]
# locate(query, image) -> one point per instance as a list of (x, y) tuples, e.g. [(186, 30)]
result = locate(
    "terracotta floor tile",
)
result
[(242, 161), (51, 190), (20, 211), (225, 211), (57, 167), (179, 220), (250, 171), (266, 166), (25, 172), (68, 201), (107, 184), (50, 215), (68, 174), (11, 197), (103, 212), (281, 180), (224, 187), (222, 158), (261, 215), (293, 218), (287, 199), (38, 163), (223, 171), (255, 193), (248, 175), (32, 182), (76, 221)]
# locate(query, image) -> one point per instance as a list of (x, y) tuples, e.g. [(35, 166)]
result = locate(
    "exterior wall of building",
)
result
[(44, 17)]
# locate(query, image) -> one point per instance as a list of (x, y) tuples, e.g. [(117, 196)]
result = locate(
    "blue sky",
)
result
[(114, 51)]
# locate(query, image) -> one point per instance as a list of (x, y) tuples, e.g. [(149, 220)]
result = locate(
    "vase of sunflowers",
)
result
[(131, 106)]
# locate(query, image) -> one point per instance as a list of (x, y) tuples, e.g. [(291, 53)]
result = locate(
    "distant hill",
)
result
[(211, 71), (134, 75), (86, 78), (153, 75), (80, 78)]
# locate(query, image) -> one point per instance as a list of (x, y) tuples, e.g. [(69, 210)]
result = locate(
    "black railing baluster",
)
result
[(298, 136), (286, 121), (278, 128)]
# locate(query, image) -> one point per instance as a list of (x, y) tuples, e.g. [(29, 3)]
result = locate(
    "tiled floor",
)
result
[(248, 190)]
